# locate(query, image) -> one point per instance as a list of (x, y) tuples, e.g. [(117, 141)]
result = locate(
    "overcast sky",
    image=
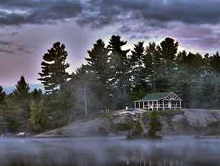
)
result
[(30, 27)]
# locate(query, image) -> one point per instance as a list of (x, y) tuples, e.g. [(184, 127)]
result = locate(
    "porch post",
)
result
[(180, 104), (157, 104), (163, 104), (139, 104), (143, 105)]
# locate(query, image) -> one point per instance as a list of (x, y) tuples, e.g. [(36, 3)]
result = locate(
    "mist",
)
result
[(100, 151)]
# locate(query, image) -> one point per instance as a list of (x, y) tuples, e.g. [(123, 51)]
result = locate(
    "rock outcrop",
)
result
[(192, 121), (183, 122), (82, 128)]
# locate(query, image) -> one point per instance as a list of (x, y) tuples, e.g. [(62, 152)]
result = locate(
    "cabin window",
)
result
[(137, 105)]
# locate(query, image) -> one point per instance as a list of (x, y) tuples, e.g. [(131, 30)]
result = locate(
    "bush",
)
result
[(137, 131), (155, 125), (122, 126)]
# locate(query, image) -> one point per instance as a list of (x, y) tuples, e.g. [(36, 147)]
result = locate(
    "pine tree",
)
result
[(38, 116), (98, 61), (138, 129), (81, 82), (119, 65), (98, 65), (138, 71), (2, 96), (168, 52), (36, 94), (21, 94), (215, 62), (189, 79), (54, 65), (153, 67), (22, 89), (155, 125)]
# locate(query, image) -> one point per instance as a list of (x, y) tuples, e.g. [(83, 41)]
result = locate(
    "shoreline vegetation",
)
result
[(111, 79)]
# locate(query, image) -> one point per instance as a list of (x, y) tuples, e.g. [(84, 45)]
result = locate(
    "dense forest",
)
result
[(111, 78)]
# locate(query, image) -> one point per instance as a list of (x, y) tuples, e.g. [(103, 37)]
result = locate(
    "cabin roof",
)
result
[(155, 96)]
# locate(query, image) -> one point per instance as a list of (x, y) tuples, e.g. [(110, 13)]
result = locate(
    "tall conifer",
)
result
[(54, 65), (120, 68), (2, 96), (22, 89)]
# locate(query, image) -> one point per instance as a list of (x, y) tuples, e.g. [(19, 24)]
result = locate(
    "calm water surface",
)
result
[(113, 151)]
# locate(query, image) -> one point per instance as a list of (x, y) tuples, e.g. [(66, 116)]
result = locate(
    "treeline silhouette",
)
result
[(111, 78)]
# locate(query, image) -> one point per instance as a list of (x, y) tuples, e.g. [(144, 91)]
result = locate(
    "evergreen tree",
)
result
[(22, 89), (82, 82), (137, 66), (138, 77), (207, 98), (98, 61), (54, 65), (38, 116), (186, 79), (138, 129), (22, 94), (168, 51), (98, 65), (119, 65), (214, 62), (155, 125), (153, 67), (36, 94), (2, 96)]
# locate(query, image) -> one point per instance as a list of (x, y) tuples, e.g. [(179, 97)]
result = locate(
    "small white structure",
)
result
[(21, 134), (134, 113), (159, 101)]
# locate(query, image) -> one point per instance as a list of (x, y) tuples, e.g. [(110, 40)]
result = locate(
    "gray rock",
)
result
[(193, 121), (186, 122)]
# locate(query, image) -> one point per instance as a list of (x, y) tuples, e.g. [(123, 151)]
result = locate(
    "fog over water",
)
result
[(106, 151)]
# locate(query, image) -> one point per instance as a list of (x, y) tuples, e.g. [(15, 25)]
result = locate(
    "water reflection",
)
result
[(178, 151)]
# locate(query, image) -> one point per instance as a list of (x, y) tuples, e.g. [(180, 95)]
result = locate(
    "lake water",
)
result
[(110, 151)]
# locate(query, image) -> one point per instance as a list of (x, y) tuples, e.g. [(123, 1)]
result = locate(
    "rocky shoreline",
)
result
[(192, 122), (185, 122)]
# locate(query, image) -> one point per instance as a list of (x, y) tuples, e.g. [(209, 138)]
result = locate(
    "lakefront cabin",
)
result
[(159, 101)]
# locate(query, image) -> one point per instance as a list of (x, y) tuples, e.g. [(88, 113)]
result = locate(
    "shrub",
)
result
[(138, 129), (155, 125), (122, 126)]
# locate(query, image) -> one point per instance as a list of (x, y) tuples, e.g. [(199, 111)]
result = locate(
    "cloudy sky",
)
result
[(30, 27)]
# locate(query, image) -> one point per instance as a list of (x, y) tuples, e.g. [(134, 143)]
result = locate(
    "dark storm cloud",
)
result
[(99, 13), (37, 11), (190, 21)]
